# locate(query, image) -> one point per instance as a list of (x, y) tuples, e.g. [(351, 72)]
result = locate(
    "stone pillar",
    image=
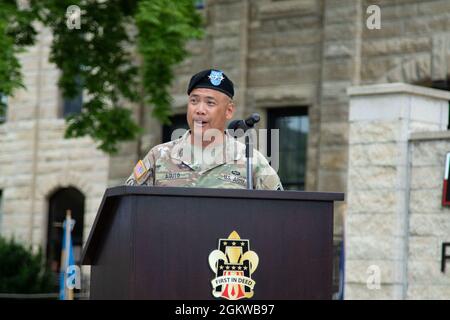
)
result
[(340, 63), (382, 117)]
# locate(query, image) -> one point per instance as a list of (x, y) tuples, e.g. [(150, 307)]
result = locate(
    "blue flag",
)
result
[(67, 259)]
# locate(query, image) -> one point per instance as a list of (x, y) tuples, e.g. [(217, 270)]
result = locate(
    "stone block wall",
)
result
[(429, 222), (412, 44), (390, 187)]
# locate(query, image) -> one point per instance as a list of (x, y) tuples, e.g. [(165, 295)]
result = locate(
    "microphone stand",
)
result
[(249, 156), (246, 125)]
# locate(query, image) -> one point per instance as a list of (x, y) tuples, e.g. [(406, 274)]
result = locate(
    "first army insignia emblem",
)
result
[(233, 264)]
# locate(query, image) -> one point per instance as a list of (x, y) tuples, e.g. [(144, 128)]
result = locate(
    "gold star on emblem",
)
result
[(242, 243), (221, 267), (225, 243), (233, 267), (239, 267), (245, 268), (233, 243), (227, 267)]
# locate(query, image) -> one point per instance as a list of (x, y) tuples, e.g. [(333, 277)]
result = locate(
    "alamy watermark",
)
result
[(373, 281), (73, 278), (217, 153), (73, 17), (374, 20)]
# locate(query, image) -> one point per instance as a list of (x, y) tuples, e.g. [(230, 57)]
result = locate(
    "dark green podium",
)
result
[(154, 242)]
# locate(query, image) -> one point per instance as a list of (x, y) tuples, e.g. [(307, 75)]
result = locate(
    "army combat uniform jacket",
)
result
[(179, 164)]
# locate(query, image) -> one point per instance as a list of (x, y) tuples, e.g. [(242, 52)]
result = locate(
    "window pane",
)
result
[(293, 125), (199, 4), (74, 105), (178, 122), (3, 106)]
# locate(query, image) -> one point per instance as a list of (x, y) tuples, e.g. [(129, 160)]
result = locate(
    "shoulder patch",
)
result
[(139, 170)]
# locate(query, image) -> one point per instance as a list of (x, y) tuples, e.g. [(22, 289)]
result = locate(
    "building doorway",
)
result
[(60, 201)]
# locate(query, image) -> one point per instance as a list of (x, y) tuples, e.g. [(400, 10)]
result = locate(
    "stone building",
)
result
[(292, 61)]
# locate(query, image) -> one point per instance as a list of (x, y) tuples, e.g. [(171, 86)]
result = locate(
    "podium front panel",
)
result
[(157, 246)]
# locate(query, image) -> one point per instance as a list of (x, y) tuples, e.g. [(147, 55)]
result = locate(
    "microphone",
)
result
[(244, 124), (239, 127)]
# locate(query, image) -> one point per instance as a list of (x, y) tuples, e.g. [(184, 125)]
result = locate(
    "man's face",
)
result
[(208, 109)]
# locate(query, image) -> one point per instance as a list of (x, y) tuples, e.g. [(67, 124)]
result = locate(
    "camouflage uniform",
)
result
[(173, 164)]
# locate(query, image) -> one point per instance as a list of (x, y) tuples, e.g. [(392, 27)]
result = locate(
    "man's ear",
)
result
[(229, 112)]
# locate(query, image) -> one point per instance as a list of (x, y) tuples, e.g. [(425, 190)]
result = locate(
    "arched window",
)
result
[(59, 202)]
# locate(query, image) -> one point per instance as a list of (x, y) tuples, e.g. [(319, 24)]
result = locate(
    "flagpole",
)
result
[(61, 268), (69, 292)]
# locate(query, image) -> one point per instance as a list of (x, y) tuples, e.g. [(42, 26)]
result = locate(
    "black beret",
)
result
[(212, 79)]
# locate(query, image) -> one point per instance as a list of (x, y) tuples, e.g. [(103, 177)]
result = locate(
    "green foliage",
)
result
[(15, 33), (10, 77), (164, 27), (104, 125), (124, 51), (21, 271), (97, 54)]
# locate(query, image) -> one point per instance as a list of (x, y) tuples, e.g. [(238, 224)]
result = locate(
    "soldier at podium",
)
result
[(206, 155)]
